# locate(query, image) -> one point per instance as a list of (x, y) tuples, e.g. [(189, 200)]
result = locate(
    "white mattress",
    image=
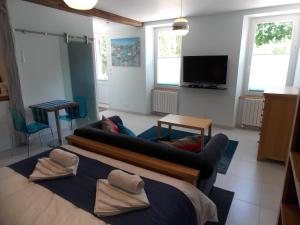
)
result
[(25, 203)]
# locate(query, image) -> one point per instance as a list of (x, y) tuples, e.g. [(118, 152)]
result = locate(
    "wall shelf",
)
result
[(203, 87)]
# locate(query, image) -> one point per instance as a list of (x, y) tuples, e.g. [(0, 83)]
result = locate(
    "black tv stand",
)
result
[(215, 87)]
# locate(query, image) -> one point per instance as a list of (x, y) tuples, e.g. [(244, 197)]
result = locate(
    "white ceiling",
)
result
[(151, 10)]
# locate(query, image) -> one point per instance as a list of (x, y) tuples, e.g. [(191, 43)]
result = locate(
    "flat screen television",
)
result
[(205, 69)]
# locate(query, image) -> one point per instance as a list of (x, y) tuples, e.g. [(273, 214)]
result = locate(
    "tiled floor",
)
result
[(257, 185)]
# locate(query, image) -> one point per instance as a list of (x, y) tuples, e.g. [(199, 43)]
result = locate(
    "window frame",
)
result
[(156, 31), (98, 56), (293, 52)]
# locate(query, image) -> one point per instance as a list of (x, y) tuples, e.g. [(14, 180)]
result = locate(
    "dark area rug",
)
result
[(223, 199), (151, 134)]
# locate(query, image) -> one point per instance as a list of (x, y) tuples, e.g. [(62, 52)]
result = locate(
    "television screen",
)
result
[(205, 69)]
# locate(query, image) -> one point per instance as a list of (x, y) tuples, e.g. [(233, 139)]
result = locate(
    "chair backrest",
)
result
[(18, 121), (82, 105)]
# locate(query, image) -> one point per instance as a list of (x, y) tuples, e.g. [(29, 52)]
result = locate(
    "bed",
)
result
[(69, 201)]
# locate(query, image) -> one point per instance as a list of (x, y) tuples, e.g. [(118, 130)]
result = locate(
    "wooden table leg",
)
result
[(158, 129), (209, 131), (58, 127), (170, 129), (202, 138)]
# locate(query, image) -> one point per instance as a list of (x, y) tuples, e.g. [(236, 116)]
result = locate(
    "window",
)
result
[(271, 57), (101, 58), (168, 57)]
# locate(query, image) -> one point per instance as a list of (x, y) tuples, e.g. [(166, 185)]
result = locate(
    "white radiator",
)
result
[(252, 112), (165, 101)]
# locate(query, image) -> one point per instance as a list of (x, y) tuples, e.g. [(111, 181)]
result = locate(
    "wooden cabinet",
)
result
[(289, 213), (277, 123)]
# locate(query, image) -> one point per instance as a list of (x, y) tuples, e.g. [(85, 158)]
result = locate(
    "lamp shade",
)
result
[(81, 4), (181, 26)]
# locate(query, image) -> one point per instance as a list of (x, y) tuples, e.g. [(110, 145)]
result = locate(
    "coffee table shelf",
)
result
[(186, 122)]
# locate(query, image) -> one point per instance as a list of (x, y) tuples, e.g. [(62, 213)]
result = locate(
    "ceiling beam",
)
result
[(59, 4)]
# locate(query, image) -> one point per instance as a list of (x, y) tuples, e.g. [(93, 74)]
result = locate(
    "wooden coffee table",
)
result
[(186, 122)]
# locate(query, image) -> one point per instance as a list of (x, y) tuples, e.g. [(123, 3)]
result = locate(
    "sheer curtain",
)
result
[(10, 63)]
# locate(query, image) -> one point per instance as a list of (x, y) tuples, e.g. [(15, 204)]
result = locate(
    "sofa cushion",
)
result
[(98, 124), (108, 125), (190, 143), (125, 130)]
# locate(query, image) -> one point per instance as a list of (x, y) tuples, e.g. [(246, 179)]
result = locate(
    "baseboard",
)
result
[(248, 127), (131, 112), (224, 126)]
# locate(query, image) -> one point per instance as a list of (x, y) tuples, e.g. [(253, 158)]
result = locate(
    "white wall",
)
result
[(241, 69), (127, 88), (213, 35), (127, 85), (149, 65), (40, 68), (103, 92), (39, 57), (218, 34)]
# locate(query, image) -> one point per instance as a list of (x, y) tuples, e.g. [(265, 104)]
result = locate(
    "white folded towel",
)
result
[(127, 182), (66, 159), (50, 168), (111, 200)]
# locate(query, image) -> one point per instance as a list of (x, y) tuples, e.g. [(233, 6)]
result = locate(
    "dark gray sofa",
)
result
[(205, 161)]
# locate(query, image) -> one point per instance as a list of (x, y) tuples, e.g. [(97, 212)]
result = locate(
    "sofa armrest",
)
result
[(213, 152)]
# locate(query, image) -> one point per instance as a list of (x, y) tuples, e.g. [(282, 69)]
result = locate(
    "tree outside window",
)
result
[(101, 60), (270, 55), (168, 58)]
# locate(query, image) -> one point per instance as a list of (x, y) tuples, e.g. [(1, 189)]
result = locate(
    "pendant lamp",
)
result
[(81, 4), (181, 25)]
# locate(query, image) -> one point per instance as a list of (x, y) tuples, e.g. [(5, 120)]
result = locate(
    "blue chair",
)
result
[(20, 125), (74, 112)]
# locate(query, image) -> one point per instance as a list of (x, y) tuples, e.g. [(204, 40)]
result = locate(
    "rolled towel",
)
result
[(125, 181), (112, 201), (47, 169), (65, 159)]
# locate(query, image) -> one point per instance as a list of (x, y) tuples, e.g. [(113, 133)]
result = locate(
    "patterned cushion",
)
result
[(109, 125), (191, 143), (125, 130)]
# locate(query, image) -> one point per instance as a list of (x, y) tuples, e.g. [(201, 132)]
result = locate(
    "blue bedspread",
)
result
[(168, 205)]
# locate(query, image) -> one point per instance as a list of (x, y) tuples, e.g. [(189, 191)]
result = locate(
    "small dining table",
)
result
[(55, 106)]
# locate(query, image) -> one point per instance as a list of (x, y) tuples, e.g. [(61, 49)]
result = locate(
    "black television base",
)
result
[(205, 86)]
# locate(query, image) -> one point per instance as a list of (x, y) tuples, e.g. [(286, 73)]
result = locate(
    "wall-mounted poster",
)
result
[(125, 51)]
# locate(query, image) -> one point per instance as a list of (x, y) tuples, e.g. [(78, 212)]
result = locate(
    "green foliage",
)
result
[(103, 56), (280, 51), (273, 32), (169, 44)]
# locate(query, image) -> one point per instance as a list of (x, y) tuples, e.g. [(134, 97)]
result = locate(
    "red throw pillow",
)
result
[(191, 147), (109, 125), (191, 143)]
